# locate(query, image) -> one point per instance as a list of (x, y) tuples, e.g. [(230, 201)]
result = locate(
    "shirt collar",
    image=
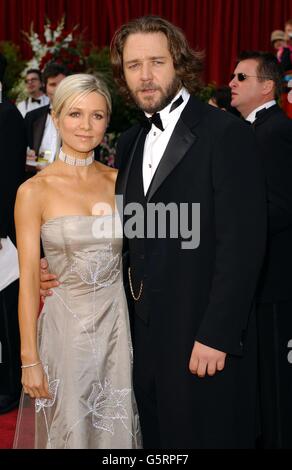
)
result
[(252, 116), (165, 115)]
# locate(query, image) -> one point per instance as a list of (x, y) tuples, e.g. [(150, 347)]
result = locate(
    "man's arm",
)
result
[(47, 280), (240, 224)]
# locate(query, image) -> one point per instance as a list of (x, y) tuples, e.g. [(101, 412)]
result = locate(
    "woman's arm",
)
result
[(28, 223)]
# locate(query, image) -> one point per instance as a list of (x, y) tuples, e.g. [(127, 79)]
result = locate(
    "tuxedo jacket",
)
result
[(13, 154), (35, 122), (210, 159), (204, 294), (274, 138)]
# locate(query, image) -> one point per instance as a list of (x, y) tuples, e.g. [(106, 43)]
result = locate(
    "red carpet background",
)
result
[(7, 429)]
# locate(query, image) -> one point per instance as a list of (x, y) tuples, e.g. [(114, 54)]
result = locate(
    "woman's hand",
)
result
[(35, 382)]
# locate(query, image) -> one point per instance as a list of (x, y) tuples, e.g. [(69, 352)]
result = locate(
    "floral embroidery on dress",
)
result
[(107, 405), (41, 403), (100, 268), (131, 351)]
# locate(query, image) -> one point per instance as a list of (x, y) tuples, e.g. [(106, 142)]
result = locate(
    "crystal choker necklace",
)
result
[(76, 161)]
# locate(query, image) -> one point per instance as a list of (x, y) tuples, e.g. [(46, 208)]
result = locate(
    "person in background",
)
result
[(278, 39), (256, 86), (41, 132), (12, 160), (284, 56), (221, 98), (35, 96)]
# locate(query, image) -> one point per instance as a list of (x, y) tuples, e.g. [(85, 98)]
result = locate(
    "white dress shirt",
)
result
[(50, 140), (252, 116), (28, 105), (157, 140)]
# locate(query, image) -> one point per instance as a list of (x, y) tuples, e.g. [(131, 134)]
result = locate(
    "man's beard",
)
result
[(166, 97)]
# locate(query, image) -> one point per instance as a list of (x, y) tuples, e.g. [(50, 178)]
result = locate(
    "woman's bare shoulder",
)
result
[(107, 171), (37, 185), (30, 187)]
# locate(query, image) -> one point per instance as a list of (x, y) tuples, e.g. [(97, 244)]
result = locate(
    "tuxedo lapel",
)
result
[(179, 143), (182, 138), (123, 175), (38, 131)]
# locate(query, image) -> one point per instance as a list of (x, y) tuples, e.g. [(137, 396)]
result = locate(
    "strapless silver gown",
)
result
[(84, 340)]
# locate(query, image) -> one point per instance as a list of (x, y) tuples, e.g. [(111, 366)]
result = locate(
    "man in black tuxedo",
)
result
[(255, 86), (191, 300), (193, 329), (13, 149)]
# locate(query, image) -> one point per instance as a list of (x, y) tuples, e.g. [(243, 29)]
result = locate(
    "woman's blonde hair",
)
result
[(77, 86)]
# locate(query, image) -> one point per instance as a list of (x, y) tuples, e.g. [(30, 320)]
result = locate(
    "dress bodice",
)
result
[(83, 251)]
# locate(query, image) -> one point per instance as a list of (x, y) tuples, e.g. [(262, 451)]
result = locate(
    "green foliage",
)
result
[(15, 66), (206, 92)]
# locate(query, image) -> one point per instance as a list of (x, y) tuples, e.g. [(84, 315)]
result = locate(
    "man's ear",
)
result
[(268, 87)]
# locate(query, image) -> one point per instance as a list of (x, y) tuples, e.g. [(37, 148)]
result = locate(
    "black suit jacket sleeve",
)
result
[(240, 225), (275, 142), (279, 218), (13, 154)]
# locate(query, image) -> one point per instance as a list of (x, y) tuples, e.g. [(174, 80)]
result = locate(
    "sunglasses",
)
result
[(242, 76)]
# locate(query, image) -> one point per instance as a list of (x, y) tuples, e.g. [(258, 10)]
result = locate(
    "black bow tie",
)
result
[(35, 100), (156, 119)]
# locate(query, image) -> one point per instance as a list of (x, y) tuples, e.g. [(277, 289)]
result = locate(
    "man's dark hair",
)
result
[(53, 70), (187, 62), (36, 71), (268, 68), (222, 97)]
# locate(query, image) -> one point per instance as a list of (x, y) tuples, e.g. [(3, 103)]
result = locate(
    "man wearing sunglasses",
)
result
[(255, 87)]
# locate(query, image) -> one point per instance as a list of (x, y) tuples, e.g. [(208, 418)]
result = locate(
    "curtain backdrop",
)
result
[(221, 27)]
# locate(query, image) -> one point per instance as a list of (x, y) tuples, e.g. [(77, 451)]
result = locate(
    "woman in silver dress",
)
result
[(77, 355)]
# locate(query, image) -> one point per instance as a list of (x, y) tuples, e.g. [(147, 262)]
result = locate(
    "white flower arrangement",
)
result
[(55, 39)]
